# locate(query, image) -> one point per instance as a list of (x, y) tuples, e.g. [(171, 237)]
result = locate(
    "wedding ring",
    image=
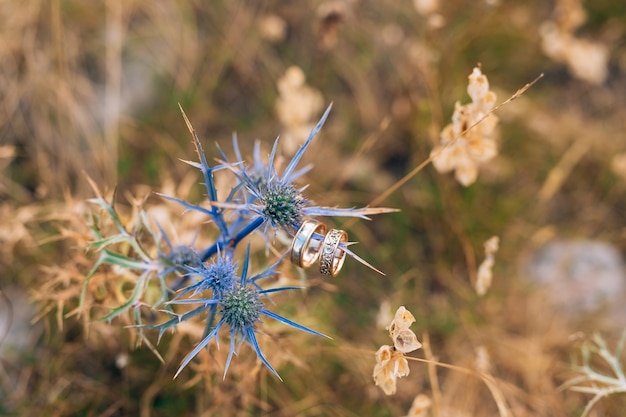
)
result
[(331, 255), (304, 249)]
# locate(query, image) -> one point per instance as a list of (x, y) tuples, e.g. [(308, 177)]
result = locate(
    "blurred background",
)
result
[(93, 88)]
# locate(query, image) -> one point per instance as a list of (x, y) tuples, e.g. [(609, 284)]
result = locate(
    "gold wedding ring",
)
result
[(304, 249), (331, 255)]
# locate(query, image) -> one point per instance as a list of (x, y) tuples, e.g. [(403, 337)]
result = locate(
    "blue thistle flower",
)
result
[(218, 276), (264, 199), (277, 201), (240, 309), (282, 205), (182, 256)]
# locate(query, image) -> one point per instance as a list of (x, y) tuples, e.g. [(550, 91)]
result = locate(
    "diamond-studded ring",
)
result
[(331, 255), (304, 249)]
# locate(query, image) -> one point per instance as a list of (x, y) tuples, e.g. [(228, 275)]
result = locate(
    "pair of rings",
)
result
[(311, 243)]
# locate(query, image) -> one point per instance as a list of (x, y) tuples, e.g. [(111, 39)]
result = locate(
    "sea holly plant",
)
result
[(161, 285), (601, 372)]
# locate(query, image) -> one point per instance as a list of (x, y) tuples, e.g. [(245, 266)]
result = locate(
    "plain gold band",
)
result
[(331, 255), (304, 249)]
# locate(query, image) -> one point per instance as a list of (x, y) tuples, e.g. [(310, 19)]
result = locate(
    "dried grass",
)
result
[(94, 88)]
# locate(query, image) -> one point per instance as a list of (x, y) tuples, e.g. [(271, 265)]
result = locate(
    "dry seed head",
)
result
[(405, 341), (585, 59), (297, 107), (421, 405), (470, 140), (390, 365), (426, 7), (273, 28), (403, 317), (485, 275), (492, 245), (483, 360), (383, 355), (384, 315), (390, 361), (401, 321), (618, 165), (569, 14), (478, 85)]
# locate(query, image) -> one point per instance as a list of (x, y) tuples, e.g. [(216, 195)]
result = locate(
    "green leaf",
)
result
[(139, 287), (123, 261), (99, 244)]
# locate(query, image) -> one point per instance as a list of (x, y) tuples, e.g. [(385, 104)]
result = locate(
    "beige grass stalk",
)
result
[(115, 32), (432, 374), (367, 145), (488, 380), (557, 176)]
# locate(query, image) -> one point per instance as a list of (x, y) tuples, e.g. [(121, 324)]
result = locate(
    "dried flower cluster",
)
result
[(585, 59), (390, 361), (485, 274), (470, 140), (420, 407), (618, 165), (297, 107), (272, 27), (430, 10), (426, 7), (14, 232)]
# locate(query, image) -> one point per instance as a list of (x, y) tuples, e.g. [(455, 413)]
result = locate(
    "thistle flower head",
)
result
[(263, 200), (241, 307), (274, 199), (282, 205), (237, 301), (183, 256), (218, 276)]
